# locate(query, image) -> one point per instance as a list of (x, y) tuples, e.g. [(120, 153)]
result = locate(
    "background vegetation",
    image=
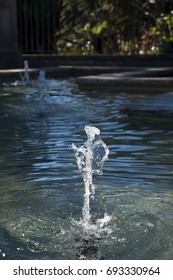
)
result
[(97, 27)]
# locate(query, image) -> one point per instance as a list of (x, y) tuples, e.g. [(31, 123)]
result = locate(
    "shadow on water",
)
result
[(88, 249)]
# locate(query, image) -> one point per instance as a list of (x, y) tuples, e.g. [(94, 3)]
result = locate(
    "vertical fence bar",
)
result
[(20, 31), (128, 27), (36, 19), (43, 28), (48, 27), (25, 25), (115, 34), (122, 35), (31, 28), (134, 29), (54, 24), (155, 16)]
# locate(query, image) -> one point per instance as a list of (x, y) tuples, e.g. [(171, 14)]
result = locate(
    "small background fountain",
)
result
[(25, 76), (40, 82)]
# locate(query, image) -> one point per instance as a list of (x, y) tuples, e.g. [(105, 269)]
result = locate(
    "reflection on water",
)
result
[(41, 190)]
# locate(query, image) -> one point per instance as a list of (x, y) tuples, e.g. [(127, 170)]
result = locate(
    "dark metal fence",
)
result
[(37, 25), (90, 27)]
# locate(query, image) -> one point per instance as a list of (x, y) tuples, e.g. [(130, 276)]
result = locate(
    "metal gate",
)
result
[(37, 24)]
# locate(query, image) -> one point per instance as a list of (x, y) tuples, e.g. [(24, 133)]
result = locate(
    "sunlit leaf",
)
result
[(99, 27)]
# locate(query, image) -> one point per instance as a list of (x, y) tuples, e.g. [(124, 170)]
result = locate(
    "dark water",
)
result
[(41, 190)]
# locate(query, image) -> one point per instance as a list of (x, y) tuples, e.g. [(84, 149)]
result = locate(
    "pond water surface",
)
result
[(41, 190)]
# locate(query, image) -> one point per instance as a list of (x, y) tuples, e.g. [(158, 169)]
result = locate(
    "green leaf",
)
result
[(97, 30)]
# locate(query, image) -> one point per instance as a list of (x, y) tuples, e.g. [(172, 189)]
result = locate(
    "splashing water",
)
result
[(25, 79), (90, 158), (42, 82)]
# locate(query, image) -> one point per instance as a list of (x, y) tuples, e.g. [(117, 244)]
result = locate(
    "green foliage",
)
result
[(96, 26), (162, 33), (82, 23), (101, 26)]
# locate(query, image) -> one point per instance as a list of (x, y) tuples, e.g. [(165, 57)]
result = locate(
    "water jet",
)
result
[(90, 158)]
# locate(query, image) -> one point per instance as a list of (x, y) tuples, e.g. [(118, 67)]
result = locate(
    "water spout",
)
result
[(90, 158), (42, 82), (25, 77)]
